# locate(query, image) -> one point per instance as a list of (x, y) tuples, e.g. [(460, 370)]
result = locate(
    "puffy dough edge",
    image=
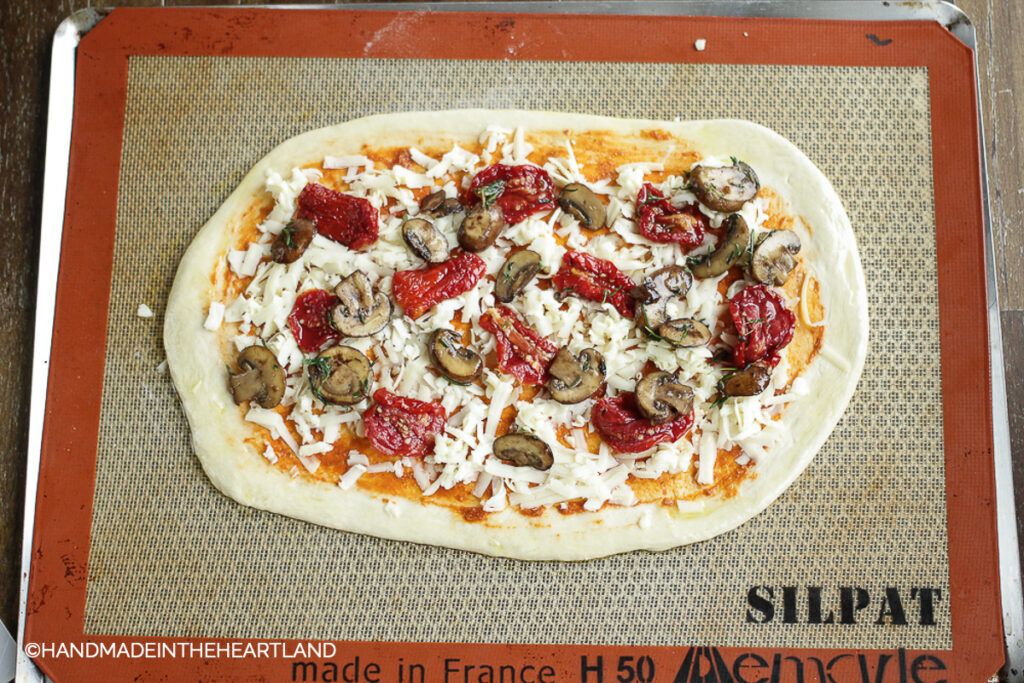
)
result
[(239, 471)]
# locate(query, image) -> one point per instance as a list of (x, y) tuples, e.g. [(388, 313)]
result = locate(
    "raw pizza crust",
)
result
[(239, 470)]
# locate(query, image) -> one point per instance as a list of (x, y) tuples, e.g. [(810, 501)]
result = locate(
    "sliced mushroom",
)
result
[(660, 397), (725, 188), (455, 361), (750, 381), (575, 378), (432, 202), (261, 378), (730, 251), (775, 257), (425, 240), (438, 205), (656, 291), (481, 227), (579, 202), (340, 375), (360, 312), (684, 332), (292, 241), (524, 450), (517, 272)]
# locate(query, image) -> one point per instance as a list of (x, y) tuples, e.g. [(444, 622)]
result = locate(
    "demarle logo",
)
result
[(703, 665), (707, 665)]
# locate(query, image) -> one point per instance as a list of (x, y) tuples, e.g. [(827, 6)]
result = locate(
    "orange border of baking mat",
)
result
[(56, 605)]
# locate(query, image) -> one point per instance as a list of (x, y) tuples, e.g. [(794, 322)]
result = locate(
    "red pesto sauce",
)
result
[(599, 154)]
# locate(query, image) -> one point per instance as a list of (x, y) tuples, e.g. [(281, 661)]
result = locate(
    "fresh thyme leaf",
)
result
[(288, 231), (490, 192), (651, 198), (320, 366)]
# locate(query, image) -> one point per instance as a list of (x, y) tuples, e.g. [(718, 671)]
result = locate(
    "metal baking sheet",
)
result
[(58, 144)]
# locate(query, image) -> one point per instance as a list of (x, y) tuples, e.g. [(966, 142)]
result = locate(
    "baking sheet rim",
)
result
[(60, 112)]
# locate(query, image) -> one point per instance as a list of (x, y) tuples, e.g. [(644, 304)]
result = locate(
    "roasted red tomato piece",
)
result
[(661, 222), (403, 426), (597, 280), (310, 319), (763, 323), (623, 428), (418, 290), (522, 352), (346, 219), (520, 191)]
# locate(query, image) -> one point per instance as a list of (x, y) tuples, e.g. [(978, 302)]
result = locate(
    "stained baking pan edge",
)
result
[(58, 145)]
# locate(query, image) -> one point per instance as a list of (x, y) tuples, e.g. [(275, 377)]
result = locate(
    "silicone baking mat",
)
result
[(861, 536)]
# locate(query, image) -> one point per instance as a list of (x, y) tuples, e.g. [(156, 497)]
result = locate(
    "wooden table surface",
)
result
[(26, 31)]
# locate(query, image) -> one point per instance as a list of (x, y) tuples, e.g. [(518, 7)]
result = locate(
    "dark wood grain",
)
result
[(1001, 77), (26, 30)]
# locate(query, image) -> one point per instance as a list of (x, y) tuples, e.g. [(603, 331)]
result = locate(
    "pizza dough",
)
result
[(233, 450)]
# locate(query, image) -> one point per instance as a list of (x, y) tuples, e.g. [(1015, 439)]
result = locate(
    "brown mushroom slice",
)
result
[(438, 205), (524, 450), (432, 202), (775, 257), (481, 227), (517, 272), (730, 251), (656, 291), (292, 241), (455, 361), (579, 202), (725, 188), (425, 240), (750, 381), (575, 378), (661, 397), (340, 375), (261, 378), (684, 332), (361, 312)]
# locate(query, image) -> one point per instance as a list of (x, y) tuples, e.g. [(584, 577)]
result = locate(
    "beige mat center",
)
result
[(170, 556)]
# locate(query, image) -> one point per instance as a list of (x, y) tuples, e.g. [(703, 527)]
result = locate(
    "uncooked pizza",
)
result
[(526, 334)]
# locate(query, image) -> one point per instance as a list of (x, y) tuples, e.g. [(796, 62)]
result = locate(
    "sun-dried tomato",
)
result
[(522, 352), (764, 324), (403, 426), (661, 222), (625, 430), (418, 290), (520, 191), (343, 218), (597, 280), (310, 319)]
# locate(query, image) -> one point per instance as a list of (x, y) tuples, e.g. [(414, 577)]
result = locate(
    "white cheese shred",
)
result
[(805, 315), (350, 477), (214, 317), (835, 358)]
